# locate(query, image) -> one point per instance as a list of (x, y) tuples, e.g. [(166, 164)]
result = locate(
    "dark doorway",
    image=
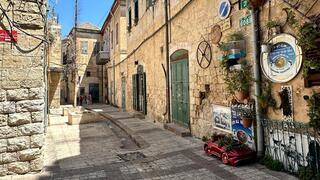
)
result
[(94, 92)]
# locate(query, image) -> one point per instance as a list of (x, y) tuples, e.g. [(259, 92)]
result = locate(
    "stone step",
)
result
[(177, 129)]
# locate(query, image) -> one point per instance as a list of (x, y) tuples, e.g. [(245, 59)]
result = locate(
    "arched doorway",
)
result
[(139, 90), (180, 87)]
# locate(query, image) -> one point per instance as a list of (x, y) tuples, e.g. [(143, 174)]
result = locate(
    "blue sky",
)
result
[(93, 11)]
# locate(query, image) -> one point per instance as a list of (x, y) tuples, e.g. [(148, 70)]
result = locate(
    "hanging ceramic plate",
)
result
[(284, 61)]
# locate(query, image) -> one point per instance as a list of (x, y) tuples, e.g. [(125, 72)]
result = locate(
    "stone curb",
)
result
[(138, 140)]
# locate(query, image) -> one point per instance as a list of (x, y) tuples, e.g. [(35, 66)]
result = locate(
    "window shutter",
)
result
[(134, 91), (144, 93)]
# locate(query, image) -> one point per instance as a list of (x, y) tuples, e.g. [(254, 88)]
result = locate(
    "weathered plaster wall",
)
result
[(22, 91)]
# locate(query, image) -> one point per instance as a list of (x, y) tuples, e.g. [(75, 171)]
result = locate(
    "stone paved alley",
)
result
[(90, 151)]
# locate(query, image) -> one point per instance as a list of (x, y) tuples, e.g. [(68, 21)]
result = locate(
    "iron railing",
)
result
[(294, 144)]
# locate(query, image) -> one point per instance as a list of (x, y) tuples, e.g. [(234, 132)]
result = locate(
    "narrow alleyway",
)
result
[(104, 151)]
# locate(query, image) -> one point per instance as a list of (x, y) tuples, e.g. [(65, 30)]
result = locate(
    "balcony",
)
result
[(103, 57)]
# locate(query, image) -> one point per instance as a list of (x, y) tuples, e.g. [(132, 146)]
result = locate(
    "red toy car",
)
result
[(239, 153)]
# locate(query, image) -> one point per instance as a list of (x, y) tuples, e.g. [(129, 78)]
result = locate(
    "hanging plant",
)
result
[(314, 111), (266, 100), (239, 81), (274, 26), (308, 36)]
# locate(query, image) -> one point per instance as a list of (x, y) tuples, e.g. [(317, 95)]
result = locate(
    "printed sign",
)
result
[(243, 4), (222, 117), (241, 133), (245, 20), (8, 36), (282, 57)]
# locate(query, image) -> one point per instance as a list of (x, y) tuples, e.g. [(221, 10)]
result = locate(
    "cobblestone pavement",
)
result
[(91, 151)]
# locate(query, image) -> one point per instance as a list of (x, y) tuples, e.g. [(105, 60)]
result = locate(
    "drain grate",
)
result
[(132, 156)]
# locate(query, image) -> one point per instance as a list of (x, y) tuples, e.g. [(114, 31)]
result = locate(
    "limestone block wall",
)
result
[(300, 108), (22, 89)]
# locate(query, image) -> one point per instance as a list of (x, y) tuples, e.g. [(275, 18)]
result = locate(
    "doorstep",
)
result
[(177, 129)]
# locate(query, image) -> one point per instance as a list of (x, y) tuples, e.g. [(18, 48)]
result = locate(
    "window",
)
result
[(111, 39), (117, 33), (84, 47), (149, 3), (96, 48), (129, 19), (136, 11), (88, 73)]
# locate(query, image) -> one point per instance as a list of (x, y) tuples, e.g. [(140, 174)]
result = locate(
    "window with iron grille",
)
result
[(84, 47)]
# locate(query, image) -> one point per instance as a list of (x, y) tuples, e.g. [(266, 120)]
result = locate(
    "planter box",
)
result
[(76, 118)]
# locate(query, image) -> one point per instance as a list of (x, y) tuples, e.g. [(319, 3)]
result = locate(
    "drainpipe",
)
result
[(167, 59), (257, 77)]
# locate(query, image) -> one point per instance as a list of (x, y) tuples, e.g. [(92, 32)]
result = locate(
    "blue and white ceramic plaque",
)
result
[(284, 61)]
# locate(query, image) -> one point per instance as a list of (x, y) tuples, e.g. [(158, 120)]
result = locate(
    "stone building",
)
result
[(196, 79), (55, 68), (115, 44), (83, 76), (22, 86)]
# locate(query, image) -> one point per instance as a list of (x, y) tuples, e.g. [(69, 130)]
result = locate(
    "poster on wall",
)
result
[(244, 135), (222, 117)]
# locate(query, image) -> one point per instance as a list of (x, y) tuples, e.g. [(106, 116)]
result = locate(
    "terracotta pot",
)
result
[(247, 122), (240, 96), (256, 3)]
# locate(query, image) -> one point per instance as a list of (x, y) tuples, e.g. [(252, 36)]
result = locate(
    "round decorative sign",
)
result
[(216, 34), (204, 54), (224, 9), (284, 61)]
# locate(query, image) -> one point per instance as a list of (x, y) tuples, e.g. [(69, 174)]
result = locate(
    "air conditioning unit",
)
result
[(103, 57)]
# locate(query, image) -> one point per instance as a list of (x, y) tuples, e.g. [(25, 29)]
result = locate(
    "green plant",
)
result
[(239, 80), (247, 113), (223, 46), (314, 111), (236, 36), (266, 100), (291, 19), (226, 142), (306, 173), (308, 35), (272, 24), (204, 138), (272, 164), (310, 64)]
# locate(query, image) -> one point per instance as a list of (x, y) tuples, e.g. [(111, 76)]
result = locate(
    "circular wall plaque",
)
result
[(216, 34), (284, 61), (224, 9)]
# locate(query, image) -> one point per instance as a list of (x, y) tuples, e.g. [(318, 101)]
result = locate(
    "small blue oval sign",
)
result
[(224, 9)]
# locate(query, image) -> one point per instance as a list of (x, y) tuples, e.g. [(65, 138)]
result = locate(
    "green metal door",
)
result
[(123, 93), (180, 92)]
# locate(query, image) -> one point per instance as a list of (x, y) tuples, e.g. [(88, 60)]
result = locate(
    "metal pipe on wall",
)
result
[(167, 59), (257, 76)]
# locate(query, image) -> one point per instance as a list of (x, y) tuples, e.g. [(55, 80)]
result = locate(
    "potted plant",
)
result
[(235, 42), (239, 81), (226, 142), (247, 115), (274, 26), (314, 111), (310, 65), (309, 36), (266, 100)]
